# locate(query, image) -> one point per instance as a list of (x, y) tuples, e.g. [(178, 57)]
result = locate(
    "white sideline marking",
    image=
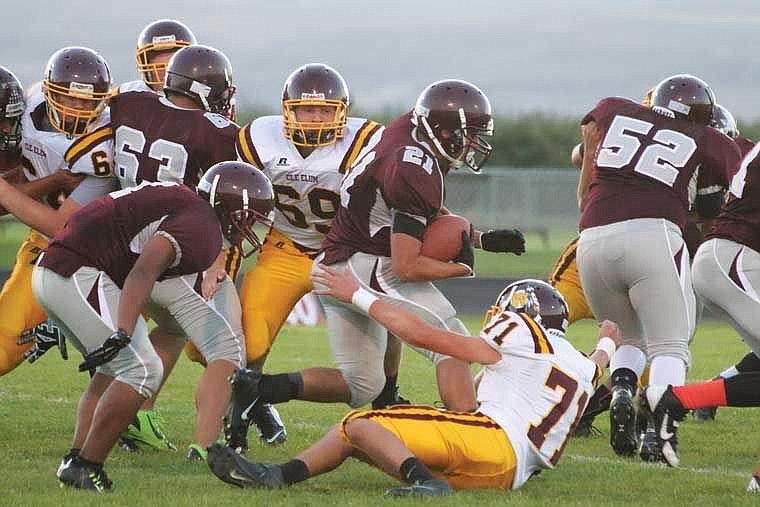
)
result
[(720, 472)]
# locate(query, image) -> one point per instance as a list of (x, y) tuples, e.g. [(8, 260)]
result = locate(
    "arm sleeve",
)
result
[(93, 187)]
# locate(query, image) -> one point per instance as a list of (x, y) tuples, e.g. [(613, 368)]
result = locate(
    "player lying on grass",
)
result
[(532, 393)]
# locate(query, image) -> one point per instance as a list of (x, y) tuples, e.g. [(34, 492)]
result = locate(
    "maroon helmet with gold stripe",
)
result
[(76, 86), (536, 298), (160, 36), (319, 85), (241, 195)]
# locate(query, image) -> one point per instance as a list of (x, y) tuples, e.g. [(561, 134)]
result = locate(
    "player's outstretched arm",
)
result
[(409, 327), (33, 213)]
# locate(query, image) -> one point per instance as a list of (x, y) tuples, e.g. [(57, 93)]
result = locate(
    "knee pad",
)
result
[(365, 386)]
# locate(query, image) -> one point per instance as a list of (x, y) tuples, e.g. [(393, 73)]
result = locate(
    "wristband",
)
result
[(606, 345), (363, 299)]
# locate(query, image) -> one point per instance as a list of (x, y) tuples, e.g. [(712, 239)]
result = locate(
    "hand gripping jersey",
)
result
[(395, 173), (47, 151), (537, 392), (739, 219), (110, 233), (307, 189), (648, 164)]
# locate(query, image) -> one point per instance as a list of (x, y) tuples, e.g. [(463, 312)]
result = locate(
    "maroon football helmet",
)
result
[(315, 84), (539, 300), (161, 36), (205, 75), (455, 115), (77, 85), (723, 121), (11, 110), (686, 96), (241, 196)]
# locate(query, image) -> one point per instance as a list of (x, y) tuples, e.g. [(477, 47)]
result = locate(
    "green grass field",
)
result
[(37, 409)]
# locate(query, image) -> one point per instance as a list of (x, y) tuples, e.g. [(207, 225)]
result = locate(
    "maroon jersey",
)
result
[(109, 233), (395, 174), (650, 165), (154, 140), (739, 219), (744, 144)]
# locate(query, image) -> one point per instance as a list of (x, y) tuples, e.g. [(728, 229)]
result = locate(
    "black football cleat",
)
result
[(267, 420), (622, 422), (388, 398), (74, 474), (430, 487), (245, 394), (234, 469), (666, 412), (650, 450)]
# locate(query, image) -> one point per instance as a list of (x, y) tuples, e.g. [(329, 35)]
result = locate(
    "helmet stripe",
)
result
[(212, 194)]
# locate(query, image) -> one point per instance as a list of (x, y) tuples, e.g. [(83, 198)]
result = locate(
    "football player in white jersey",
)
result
[(156, 45), (305, 151), (532, 392), (70, 102)]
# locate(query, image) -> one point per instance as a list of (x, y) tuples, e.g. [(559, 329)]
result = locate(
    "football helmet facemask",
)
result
[(11, 110), (161, 36), (456, 115), (241, 195), (76, 87), (686, 97), (316, 85), (539, 300), (203, 74)]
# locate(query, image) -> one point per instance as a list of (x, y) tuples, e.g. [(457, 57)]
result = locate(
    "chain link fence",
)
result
[(532, 199)]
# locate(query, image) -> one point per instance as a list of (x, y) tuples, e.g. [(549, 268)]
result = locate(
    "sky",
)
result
[(550, 56)]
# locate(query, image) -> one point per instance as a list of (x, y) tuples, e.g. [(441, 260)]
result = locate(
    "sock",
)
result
[(728, 373), (413, 471), (748, 363), (626, 378), (667, 370), (743, 390), (389, 388), (294, 471), (628, 356), (702, 394), (280, 388), (73, 453)]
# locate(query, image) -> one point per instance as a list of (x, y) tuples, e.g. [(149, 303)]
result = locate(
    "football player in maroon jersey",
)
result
[(634, 195), (98, 273), (393, 191)]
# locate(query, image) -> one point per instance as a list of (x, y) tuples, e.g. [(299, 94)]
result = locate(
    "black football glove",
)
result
[(466, 255), (503, 240), (105, 352), (45, 336)]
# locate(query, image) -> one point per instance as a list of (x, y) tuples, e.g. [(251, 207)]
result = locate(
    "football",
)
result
[(443, 237)]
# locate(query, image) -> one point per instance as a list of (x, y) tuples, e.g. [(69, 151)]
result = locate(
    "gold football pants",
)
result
[(565, 278), (18, 306), (468, 450), (271, 288)]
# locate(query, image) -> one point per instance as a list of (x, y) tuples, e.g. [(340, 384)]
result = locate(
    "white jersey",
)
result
[(44, 151), (537, 392), (307, 189)]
